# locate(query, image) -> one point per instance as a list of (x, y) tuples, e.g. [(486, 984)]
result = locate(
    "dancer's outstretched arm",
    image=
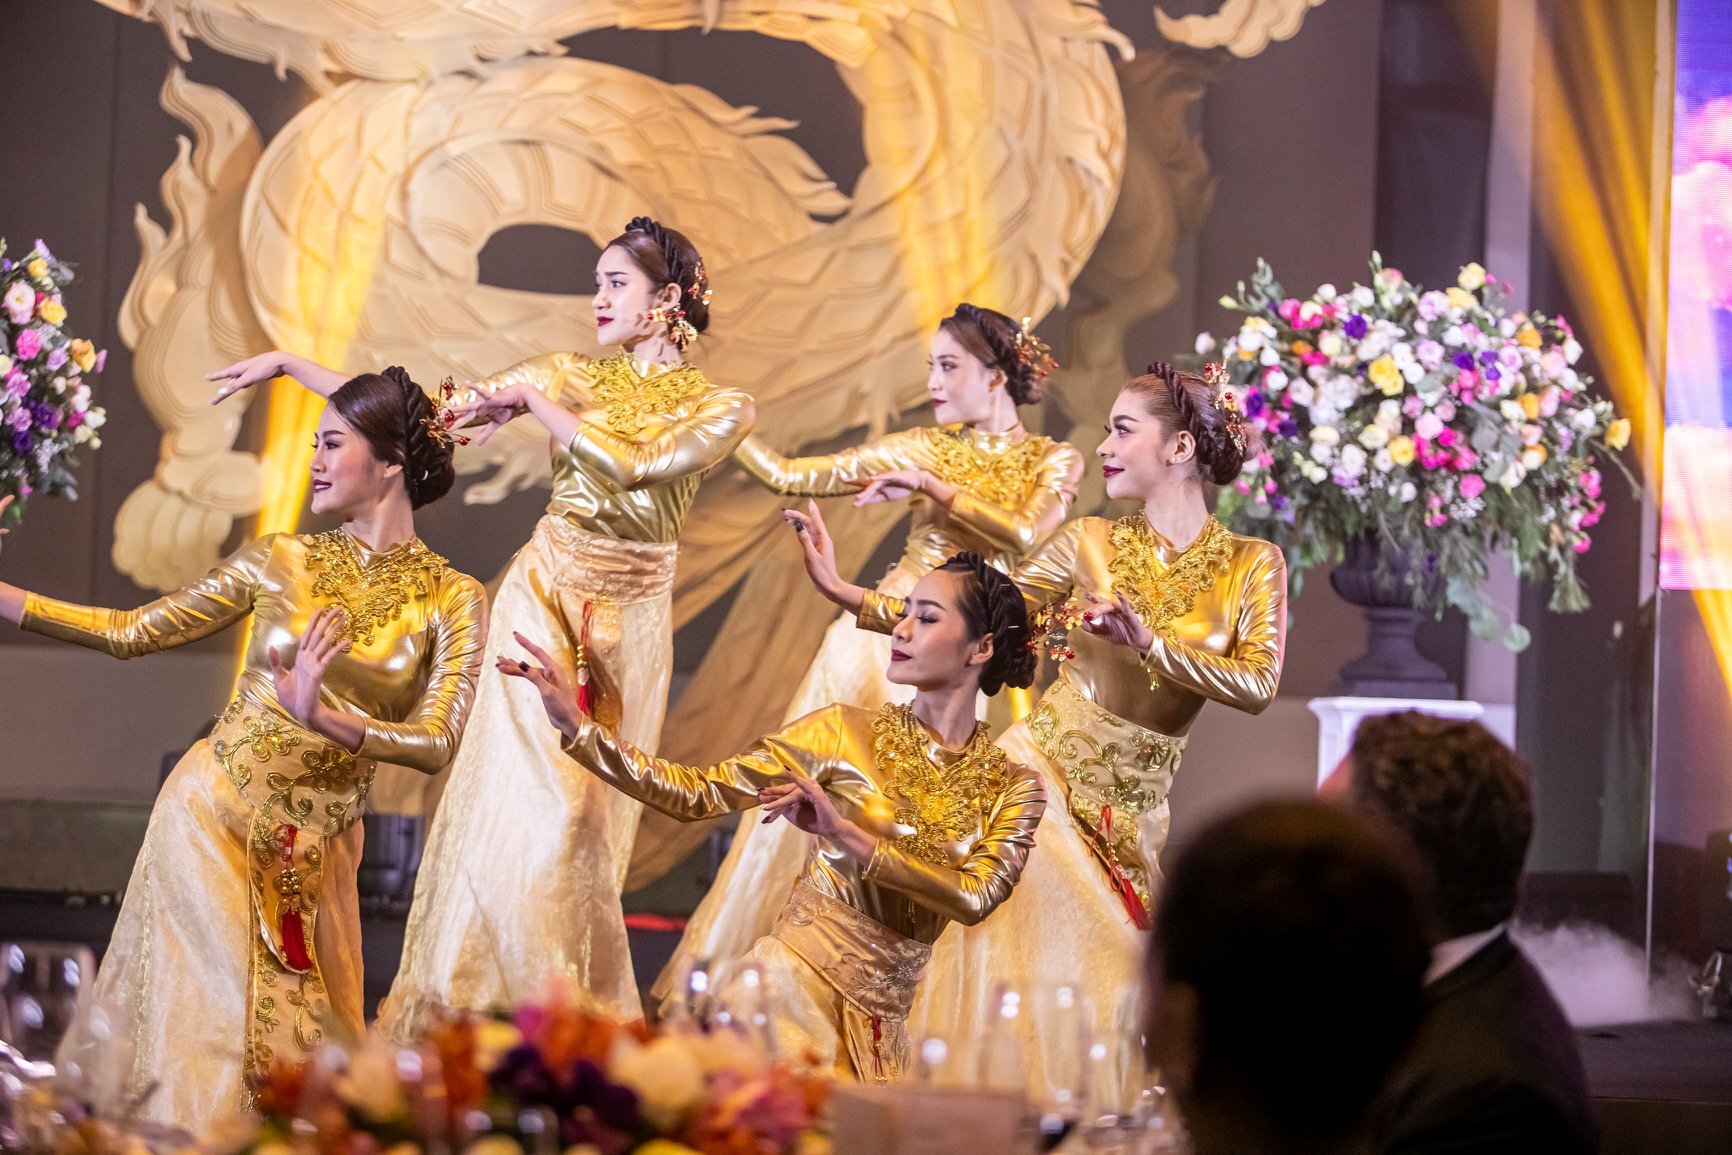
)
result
[(244, 375)]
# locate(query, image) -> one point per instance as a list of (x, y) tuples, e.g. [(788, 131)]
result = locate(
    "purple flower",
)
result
[(1255, 406), (1355, 327), (1493, 373), (1463, 360), (47, 417), (17, 383), (101, 360), (5, 264), (57, 358), (1288, 428), (1488, 358), (21, 418), (21, 442)]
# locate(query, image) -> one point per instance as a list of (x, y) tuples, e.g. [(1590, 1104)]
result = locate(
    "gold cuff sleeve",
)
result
[(427, 739), (970, 892), (879, 613), (825, 475), (1247, 678), (546, 374), (217, 600), (688, 445), (690, 793)]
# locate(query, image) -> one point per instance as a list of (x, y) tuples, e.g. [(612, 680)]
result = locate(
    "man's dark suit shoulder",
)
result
[(1495, 1068)]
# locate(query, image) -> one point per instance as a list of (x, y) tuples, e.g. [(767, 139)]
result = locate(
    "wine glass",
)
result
[(1064, 1012), (999, 1064), (40, 985)]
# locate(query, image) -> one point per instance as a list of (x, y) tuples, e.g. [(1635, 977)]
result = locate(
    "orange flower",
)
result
[(1300, 348)]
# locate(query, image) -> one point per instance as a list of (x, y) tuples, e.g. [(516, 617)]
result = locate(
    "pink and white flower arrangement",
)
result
[(45, 404), (1435, 421)]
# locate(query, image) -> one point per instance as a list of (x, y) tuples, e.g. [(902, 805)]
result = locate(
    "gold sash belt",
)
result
[(605, 569), (873, 968)]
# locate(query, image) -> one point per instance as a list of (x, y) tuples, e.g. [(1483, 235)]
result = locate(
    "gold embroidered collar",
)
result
[(999, 475), (630, 397), (1163, 593), (943, 804), (372, 593)]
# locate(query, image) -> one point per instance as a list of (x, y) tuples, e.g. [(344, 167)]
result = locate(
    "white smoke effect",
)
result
[(1601, 979)]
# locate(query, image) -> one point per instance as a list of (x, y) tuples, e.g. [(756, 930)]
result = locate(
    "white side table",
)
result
[(1338, 720)]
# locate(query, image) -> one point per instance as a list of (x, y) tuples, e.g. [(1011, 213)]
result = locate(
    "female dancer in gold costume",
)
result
[(1179, 612), (921, 821), (521, 879), (239, 941), (980, 482)]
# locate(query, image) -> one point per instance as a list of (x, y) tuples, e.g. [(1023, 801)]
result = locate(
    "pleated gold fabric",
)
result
[(521, 879), (239, 940)]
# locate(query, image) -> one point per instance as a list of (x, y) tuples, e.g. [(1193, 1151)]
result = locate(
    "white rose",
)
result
[(1374, 437), (1382, 462), (81, 435), (1413, 372), (1330, 344), (1325, 435), (1512, 411), (667, 1078), (81, 399), (95, 419), (1268, 357), (1274, 381), (1352, 462), (1322, 453), (1205, 344), (1513, 475), (1325, 292), (1301, 392), (1584, 420), (1409, 491), (1572, 350), (1532, 459), (1363, 296)]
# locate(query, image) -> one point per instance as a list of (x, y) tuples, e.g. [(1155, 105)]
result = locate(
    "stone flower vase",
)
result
[(1391, 666)]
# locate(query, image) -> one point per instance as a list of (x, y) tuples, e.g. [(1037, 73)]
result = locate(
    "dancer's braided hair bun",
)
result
[(1183, 400), (992, 604), (667, 257), (991, 336), (394, 416)]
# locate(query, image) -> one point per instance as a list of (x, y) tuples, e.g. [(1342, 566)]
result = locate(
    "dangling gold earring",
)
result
[(680, 331)]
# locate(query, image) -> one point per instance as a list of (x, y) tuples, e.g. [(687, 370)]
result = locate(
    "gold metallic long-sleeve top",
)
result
[(834, 746), (647, 435), (1013, 489), (1228, 648), (413, 682)]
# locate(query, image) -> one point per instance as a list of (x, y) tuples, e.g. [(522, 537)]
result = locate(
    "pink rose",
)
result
[(1582, 545), (1446, 438), (27, 344), (1472, 485), (1412, 406), (1591, 483), (1288, 310), (1429, 426)]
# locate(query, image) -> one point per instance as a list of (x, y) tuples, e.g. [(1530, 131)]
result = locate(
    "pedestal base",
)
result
[(1338, 720)]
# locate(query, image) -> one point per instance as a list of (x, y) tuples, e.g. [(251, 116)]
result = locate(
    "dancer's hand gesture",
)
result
[(896, 485), (245, 374), (803, 803), (298, 687), (492, 412), (1115, 620), (557, 684), (816, 548)]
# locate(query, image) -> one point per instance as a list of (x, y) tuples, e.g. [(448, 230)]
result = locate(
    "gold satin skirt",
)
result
[(520, 883), (1031, 944), (175, 975), (764, 862)]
